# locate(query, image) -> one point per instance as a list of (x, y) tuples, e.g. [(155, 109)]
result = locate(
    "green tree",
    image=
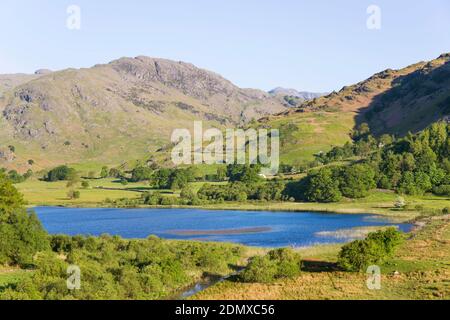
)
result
[(73, 194), (21, 234), (104, 173), (141, 174), (221, 173), (60, 173), (115, 173), (187, 194), (357, 180), (322, 186), (244, 173)]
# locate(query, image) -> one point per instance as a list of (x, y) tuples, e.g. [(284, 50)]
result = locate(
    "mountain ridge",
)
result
[(391, 102), (126, 106), (129, 107), (304, 95)]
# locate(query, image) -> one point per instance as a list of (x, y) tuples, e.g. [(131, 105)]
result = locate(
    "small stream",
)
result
[(192, 290)]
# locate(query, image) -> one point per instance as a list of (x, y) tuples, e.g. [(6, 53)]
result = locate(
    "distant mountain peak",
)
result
[(293, 98), (43, 71), (305, 95)]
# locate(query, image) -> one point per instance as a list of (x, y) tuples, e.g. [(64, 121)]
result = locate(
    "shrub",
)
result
[(72, 194), (443, 190), (187, 193), (168, 201), (277, 264), (152, 198), (376, 248), (260, 269), (400, 203), (288, 262)]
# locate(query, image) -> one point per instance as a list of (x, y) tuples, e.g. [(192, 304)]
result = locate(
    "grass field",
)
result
[(419, 270), (42, 193)]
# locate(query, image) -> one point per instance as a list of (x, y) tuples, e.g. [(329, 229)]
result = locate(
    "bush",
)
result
[(400, 203), (260, 269), (73, 194), (187, 194), (376, 248), (119, 269), (442, 190), (277, 264), (152, 198)]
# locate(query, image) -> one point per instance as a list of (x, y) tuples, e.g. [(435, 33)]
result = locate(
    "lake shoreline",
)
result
[(410, 217), (271, 207), (257, 228)]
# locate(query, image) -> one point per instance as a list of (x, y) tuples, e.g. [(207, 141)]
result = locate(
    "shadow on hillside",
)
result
[(430, 88)]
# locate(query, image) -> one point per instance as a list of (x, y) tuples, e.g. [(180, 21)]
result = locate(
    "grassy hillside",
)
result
[(302, 135), (115, 112), (392, 101)]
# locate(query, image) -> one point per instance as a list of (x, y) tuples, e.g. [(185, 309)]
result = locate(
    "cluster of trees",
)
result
[(375, 249), (244, 183), (277, 264), (333, 183), (21, 233), (240, 191), (248, 174), (16, 177), (412, 165), (113, 268), (158, 199), (175, 179), (417, 163), (60, 173)]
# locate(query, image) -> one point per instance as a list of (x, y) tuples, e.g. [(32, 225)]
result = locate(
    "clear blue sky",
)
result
[(316, 45)]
